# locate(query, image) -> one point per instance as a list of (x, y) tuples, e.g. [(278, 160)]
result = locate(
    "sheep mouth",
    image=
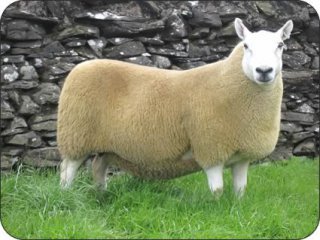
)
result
[(264, 79)]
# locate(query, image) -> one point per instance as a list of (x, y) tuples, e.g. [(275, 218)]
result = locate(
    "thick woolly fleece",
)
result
[(146, 118)]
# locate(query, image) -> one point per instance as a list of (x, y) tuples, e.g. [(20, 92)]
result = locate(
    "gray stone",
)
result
[(24, 30), (296, 59), (305, 148), (29, 139), (10, 132), (293, 45), (28, 73), (315, 63), (8, 162), (128, 49), (23, 84), (13, 59), (54, 47), (18, 122), (48, 93), (205, 19), (141, 60), (199, 32), (105, 15), (298, 76), (313, 31), (97, 45), (166, 52), (6, 110), (12, 151), (43, 117), (290, 127), (298, 137), (152, 41), (4, 47), (228, 31), (42, 157), (266, 7), (9, 73), (14, 97), (176, 28), (28, 44), (198, 51), (298, 117), (28, 107), (189, 65), (119, 40), (304, 108), (74, 42), (126, 29), (78, 30), (161, 61), (44, 126), (229, 12), (61, 68)]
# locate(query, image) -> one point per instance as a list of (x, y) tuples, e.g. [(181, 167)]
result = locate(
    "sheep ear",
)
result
[(241, 29), (285, 31)]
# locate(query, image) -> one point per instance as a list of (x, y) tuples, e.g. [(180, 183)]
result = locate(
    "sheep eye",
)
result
[(245, 46), (281, 45)]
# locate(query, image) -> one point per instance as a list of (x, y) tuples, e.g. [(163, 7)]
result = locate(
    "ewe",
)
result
[(160, 124)]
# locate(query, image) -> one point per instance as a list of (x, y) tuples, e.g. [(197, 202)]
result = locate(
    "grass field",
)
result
[(282, 201)]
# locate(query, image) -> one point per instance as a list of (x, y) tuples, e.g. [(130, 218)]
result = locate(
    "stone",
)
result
[(119, 40), (290, 127), (151, 41), (6, 110), (97, 45), (54, 47), (12, 151), (14, 97), (8, 162), (141, 60), (315, 63), (23, 84), (78, 30), (198, 51), (48, 93), (44, 126), (28, 44), (166, 52), (205, 19), (298, 76), (61, 68), (293, 45), (176, 28), (28, 73), (105, 15), (305, 148), (304, 108), (85, 52), (29, 139), (199, 33), (74, 42), (43, 117), (128, 49), (18, 122), (161, 61), (296, 59), (13, 59), (10, 132), (126, 29), (42, 157), (299, 136), (4, 47), (228, 31), (267, 7), (298, 117), (229, 12), (313, 31), (24, 30), (9, 73), (28, 107)]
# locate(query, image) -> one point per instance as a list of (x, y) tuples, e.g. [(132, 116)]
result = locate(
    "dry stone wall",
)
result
[(41, 41)]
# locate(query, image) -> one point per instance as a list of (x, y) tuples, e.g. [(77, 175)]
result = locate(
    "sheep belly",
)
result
[(169, 169)]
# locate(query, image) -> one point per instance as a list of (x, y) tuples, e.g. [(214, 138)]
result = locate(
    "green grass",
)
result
[(282, 201)]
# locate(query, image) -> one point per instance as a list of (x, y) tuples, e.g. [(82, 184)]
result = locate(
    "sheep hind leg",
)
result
[(99, 167), (239, 175), (68, 170)]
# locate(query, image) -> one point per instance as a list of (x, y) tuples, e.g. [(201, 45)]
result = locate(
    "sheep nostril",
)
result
[(264, 70)]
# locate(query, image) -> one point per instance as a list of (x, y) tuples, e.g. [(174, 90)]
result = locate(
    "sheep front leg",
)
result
[(68, 170), (215, 179), (239, 175)]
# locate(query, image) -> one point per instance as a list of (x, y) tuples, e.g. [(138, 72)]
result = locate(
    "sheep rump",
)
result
[(146, 119)]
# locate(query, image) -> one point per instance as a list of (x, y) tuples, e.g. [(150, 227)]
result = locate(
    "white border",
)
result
[(314, 3)]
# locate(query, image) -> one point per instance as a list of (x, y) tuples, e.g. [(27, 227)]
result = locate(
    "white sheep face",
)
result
[(262, 60)]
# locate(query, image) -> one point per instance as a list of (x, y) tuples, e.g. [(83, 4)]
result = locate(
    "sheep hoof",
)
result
[(217, 193)]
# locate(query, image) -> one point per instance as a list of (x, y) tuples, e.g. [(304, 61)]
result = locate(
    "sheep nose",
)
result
[(264, 70)]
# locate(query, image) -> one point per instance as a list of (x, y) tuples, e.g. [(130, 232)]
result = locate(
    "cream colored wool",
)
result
[(145, 119)]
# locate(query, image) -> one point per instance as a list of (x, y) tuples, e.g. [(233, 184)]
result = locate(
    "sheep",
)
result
[(160, 124)]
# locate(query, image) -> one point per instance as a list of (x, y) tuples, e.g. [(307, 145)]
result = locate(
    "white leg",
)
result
[(239, 174), (215, 179), (68, 169)]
